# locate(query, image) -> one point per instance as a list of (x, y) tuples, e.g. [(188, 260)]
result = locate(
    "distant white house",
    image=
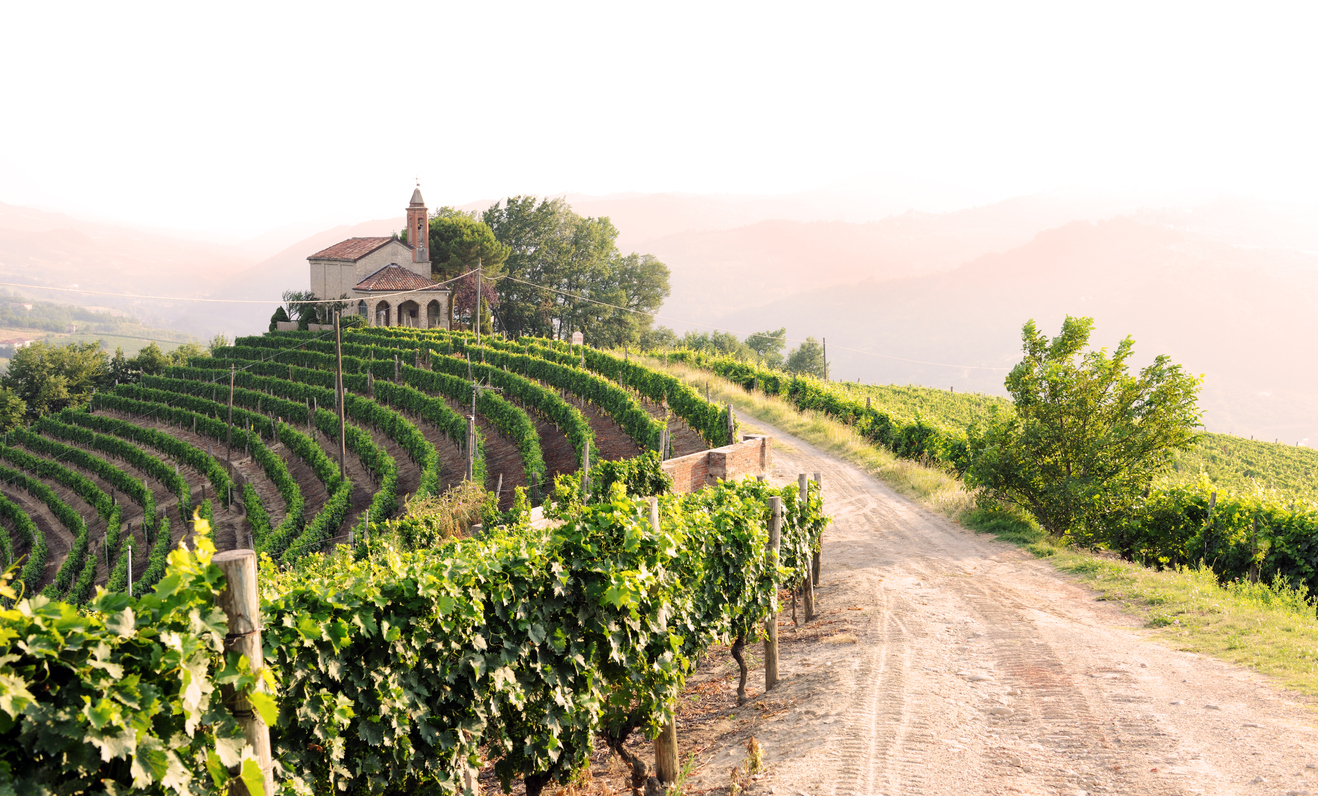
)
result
[(386, 280)]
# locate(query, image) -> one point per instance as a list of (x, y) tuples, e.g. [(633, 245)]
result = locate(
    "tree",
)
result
[(807, 359), (1086, 438), (459, 240), (12, 410), (769, 346), (218, 341), (660, 337), (48, 378), (280, 316), (566, 274)]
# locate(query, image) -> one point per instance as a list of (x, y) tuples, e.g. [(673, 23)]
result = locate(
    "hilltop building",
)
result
[(386, 280)]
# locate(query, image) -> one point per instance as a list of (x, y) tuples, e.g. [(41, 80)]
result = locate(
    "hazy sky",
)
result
[(241, 117)]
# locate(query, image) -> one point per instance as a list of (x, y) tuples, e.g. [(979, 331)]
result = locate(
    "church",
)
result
[(386, 280)]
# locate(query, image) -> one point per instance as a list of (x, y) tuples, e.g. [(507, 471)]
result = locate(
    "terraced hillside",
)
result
[(251, 437)]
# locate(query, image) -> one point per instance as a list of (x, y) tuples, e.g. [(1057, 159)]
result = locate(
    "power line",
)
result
[(229, 301)]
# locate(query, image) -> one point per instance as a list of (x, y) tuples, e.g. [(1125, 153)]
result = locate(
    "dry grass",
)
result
[(937, 489)]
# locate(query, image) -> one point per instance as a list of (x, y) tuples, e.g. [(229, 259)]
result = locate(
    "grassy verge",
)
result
[(1271, 629)]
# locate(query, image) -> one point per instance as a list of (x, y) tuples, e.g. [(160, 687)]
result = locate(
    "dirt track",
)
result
[(977, 669)]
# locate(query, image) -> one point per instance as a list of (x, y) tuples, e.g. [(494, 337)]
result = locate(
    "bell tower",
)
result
[(418, 228)]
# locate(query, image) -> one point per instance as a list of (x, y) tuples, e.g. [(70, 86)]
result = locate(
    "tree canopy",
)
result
[(768, 346), (566, 274), (807, 359), (48, 378), (1086, 437)]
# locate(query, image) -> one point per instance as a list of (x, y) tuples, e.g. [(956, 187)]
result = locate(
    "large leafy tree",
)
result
[(48, 378), (807, 359), (565, 274), (768, 346), (1087, 436), (459, 241)]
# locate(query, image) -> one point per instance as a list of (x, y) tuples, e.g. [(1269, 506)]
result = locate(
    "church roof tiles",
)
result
[(395, 277), (352, 249)]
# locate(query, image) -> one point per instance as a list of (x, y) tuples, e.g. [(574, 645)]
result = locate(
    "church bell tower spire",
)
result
[(418, 227)]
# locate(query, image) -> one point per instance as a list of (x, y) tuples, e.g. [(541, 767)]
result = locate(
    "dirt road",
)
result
[(977, 669)]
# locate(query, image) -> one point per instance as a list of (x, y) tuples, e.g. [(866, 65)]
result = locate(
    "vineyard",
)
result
[(1245, 509), (398, 654)]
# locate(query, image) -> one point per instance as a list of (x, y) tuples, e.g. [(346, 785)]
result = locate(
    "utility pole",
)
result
[(478, 299), (338, 391), (228, 441)]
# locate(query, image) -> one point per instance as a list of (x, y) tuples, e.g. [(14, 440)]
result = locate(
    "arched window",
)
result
[(361, 308)]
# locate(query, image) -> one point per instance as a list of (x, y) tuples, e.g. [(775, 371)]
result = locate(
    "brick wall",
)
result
[(751, 456)]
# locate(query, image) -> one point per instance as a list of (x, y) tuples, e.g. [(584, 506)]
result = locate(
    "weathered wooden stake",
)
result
[(819, 482), (666, 765), (471, 447), (663, 445), (130, 566), (241, 607), (732, 425), (585, 473), (771, 624), (808, 586), (398, 369), (498, 489)]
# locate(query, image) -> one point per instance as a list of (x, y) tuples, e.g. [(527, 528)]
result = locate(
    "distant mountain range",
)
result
[(1226, 287)]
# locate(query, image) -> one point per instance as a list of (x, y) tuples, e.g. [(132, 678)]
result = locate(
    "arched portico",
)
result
[(408, 314), (432, 315), (383, 316)]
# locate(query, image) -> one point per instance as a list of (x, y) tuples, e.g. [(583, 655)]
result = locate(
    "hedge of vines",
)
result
[(918, 439), (171, 446), (273, 466)]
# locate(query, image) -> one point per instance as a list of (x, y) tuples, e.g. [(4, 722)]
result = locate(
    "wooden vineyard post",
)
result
[(241, 607), (398, 370), (732, 425), (808, 585), (1253, 551), (663, 445), (471, 447), (819, 482), (666, 765), (130, 562), (338, 394), (771, 624), (498, 490), (585, 473)]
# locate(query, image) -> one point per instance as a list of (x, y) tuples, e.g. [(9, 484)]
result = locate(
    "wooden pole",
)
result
[(808, 585), (825, 359), (228, 440), (338, 394), (819, 482), (241, 607), (130, 564), (585, 473), (663, 445), (498, 489), (732, 425), (666, 765), (478, 300), (1253, 551), (771, 624), (398, 369), (471, 447)]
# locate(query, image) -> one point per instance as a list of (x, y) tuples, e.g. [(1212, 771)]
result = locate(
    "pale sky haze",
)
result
[(239, 117)]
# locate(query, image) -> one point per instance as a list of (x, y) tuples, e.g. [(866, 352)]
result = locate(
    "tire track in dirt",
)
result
[(968, 667)]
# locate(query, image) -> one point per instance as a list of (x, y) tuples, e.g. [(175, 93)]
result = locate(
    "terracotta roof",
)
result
[(396, 277), (352, 249)]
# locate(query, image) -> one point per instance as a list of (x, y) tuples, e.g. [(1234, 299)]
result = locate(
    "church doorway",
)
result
[(382, 314), (407, 314)]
